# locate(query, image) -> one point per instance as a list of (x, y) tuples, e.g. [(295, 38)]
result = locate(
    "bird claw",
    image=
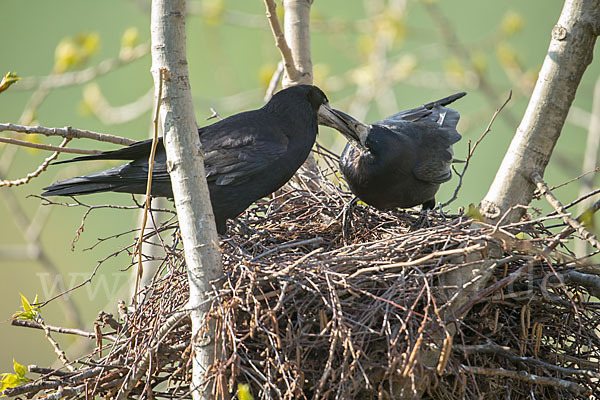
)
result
[(423, 220), (347, 218), (245, 228)]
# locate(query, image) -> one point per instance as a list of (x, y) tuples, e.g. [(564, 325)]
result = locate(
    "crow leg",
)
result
[(347, 218), (423, 220), (245, 228)]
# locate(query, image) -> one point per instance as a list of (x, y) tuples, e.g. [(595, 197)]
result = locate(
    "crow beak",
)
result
[(354, 130)]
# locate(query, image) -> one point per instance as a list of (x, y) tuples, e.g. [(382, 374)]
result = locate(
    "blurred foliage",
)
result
[(512, 23), (74, 52), (130, 38)]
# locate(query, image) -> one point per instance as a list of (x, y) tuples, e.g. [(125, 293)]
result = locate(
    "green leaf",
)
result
[(25, 302), (29, 312), (587, 219), (20, 369), (244, 392), (7, 80), (473, 213), (11, 380)]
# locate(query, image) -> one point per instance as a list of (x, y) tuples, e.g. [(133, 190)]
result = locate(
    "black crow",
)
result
[(247, 156), (400, 161)]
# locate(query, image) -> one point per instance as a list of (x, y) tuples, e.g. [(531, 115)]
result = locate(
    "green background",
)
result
[(229, 65)]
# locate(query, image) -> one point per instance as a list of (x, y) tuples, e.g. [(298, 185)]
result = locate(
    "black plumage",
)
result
[(401, 160), (247, 156)]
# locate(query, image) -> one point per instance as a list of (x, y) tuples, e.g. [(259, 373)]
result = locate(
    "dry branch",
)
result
[(186, 169), (84, 75), (67, 132), (280, 42)]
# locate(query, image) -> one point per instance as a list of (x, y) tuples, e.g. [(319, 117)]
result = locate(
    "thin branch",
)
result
[(140, 271), (40, 146), (527, 377), (25, 323), (142, 366), (280, 42), (472, 150), (37, 172), (275, 79), (554, 202), (62, 356), (84, 75), (110, 115), (67, 132), (315, 240), (463, 250)]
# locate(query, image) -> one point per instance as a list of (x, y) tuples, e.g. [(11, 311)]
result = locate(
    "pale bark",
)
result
[(296, 23), (294, 46), (570, 52), (590, 161), (186, 168)]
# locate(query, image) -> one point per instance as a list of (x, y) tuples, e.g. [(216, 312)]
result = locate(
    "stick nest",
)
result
[(311, 308)]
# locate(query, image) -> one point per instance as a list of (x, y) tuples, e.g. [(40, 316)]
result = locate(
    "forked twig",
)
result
[(280, 42), (472, 150)]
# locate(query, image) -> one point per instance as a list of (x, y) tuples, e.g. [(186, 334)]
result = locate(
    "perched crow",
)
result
[(247, 156), (402, 160)]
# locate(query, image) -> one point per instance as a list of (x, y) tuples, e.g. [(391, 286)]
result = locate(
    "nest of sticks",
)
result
[(320, 301)]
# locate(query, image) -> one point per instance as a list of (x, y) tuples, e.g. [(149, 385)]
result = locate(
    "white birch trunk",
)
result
[(296, 23), (568, 56), (570, 52), (186, 168)]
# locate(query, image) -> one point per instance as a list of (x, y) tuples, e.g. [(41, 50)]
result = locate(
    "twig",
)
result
[(275, 79), (62, 356), (507, 352), (41, 146), (142, 365), (140, 270), (472, 150), (582, 175), (84, 75), (70, 331), (527, 377), (67, 132), (579, 200), (464, 250), (37, 172), (280, 42), (290, 244), (554, 202)]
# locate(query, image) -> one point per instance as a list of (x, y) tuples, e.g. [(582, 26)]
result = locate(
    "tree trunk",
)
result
[(186, 168), (296, 22), (569, 54)]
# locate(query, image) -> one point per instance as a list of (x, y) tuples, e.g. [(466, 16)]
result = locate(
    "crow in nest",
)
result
[(247, 156), (401, 160)]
